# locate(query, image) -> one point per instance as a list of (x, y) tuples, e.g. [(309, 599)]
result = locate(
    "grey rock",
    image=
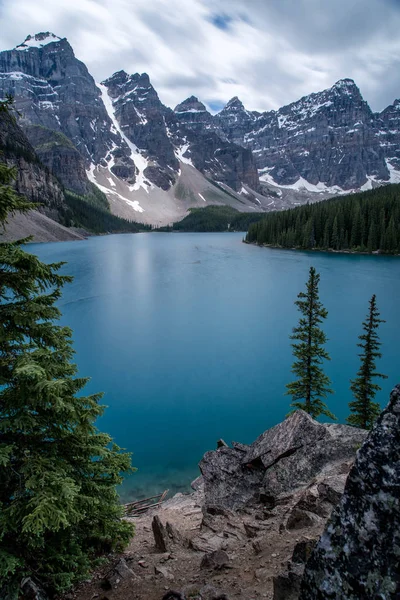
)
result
[(301, 519), (331, 488), (209, 592), (252, 530), (30, 590), (302, 551), (222, 444), (161, 570), (120, 572), (260, 544), (217, 560), (387, 130), (197, 484), (208, 542), (161, 537), (287, 585), (175, 535), (283, 459), (173, 595), (193, 114), (235, 121), (358, 553)]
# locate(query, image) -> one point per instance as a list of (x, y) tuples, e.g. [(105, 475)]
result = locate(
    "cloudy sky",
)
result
[(267, 52)]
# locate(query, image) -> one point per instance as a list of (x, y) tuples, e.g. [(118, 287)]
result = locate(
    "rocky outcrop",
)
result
[(358, 553), (205, 549), (283, 459)]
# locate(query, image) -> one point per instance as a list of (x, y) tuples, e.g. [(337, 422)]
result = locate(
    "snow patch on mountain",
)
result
[(140, 161), (92, 172), (180, 152), (303, 185), (394, 173), (38, 41)]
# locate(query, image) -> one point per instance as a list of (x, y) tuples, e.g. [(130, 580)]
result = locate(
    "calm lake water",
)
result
[(188, 336)]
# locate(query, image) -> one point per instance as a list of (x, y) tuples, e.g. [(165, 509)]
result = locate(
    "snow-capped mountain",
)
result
[(328, 140), (154, 162)]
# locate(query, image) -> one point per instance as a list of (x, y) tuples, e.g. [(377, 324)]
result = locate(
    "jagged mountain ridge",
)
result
[(330, 139), (120, 136), (155, 161)]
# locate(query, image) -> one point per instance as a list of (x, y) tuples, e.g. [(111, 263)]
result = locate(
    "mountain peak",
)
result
[(144, 79), (118, 77), (346, 82), (191, 104), (346, 86), (234, 104), (38, 40)]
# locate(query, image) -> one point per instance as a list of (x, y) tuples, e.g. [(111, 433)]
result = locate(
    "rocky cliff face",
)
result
[(358, 553), (141, 117), (33, 180), (60, 156), (388, 134)]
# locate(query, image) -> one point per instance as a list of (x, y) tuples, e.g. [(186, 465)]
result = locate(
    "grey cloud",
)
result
[(268, 53)]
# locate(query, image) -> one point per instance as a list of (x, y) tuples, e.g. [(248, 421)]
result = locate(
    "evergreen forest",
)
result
[(363, 222), (215, 218)]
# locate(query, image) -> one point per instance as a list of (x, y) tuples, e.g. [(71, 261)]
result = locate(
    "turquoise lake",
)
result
[(188, 336)]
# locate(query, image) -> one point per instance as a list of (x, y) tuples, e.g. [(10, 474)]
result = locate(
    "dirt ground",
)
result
[(258, 544)]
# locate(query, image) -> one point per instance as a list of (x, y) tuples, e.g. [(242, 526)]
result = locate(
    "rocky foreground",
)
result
[(257, 512), (309, 511)]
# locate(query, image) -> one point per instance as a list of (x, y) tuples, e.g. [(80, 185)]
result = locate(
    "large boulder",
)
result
[(282, 460), (358, 553)]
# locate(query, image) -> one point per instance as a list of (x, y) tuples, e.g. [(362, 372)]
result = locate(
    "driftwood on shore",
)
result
[(138, 507)]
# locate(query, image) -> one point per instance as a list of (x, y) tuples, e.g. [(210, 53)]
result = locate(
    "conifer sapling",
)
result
[(312, 384), (364, 411)]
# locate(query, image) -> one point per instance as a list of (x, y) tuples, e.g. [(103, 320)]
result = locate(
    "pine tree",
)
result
[(335, 235), (59, 507), (312, 384), (364, 411)]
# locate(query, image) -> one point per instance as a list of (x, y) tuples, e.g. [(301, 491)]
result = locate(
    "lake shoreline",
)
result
[(321, 250)]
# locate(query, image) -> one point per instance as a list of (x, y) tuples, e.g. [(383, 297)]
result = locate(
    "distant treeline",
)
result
[(363, 222), (92, 213), (215, 218)]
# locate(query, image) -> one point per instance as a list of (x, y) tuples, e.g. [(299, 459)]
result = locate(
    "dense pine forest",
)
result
[(363, 222), (215, 218), (92, 213)]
